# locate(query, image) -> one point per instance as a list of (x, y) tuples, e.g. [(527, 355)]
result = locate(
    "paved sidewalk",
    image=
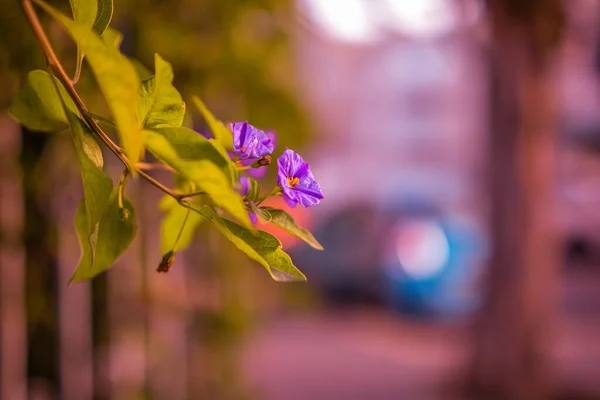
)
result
[(354, 356), (369, 355)]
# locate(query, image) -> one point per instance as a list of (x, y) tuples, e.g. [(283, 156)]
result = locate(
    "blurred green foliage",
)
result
[(19, 53), (233, 54)]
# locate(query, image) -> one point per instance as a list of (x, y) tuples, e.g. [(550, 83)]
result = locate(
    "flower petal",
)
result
[(291, 162), (308, 192), (249, 142), (304, 189)]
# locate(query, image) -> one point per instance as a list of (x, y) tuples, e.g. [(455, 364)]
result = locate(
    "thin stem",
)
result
[(275, 192), (180, 197), (151, 166), (59, 71), (122, 183), (157, 184)]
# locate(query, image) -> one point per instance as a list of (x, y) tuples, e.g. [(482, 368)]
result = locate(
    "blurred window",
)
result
[(368, 21)]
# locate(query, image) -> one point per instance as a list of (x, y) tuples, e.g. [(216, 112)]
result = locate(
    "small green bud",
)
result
[(124, 214)]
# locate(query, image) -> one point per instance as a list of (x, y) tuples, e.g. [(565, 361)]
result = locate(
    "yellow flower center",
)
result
[(293, 182)]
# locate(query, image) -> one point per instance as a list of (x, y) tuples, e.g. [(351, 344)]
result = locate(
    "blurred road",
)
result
[(371, 355), (354, 356)]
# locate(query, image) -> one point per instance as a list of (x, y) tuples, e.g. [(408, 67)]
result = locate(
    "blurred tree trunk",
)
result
[(41, 289), (515, 326), (13, 318)]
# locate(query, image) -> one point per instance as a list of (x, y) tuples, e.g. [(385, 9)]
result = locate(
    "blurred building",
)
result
[(398, 94), (397, 90)]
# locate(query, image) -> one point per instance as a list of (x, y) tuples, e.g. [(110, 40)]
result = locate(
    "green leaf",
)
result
[(207, 176), (190, 145), (262, 214), (258, 245), (180, 223), (222, 134), (104, 15), (188, 121), (97, 186), (285, 221), (233, 170), (38, 106), (116, 77), (84, 13), (160, 104), (114, 236)]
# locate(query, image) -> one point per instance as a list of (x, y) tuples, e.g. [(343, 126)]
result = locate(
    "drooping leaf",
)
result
[(114, 236), (190, 145), (178, 222), (160, 104), (116, 77), (103, 16), (97, 186), (207, 176), (285, 221), (84, 13), (38, 107), (221, 133), (258, 245)]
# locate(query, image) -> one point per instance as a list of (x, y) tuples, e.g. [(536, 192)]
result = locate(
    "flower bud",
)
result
[(166, 262), (262, 162)]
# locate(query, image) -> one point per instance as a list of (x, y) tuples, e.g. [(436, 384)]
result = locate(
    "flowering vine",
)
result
[(215, 175)]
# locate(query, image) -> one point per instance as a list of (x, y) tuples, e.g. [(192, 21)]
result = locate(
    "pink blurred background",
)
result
[(399, 106)]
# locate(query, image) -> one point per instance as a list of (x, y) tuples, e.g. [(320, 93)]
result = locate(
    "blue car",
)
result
[(412, 259), (431, 265)]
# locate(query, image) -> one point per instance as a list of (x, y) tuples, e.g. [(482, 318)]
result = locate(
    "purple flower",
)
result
[(297, 182), (272, 135), (250, 143), (259, 173)]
